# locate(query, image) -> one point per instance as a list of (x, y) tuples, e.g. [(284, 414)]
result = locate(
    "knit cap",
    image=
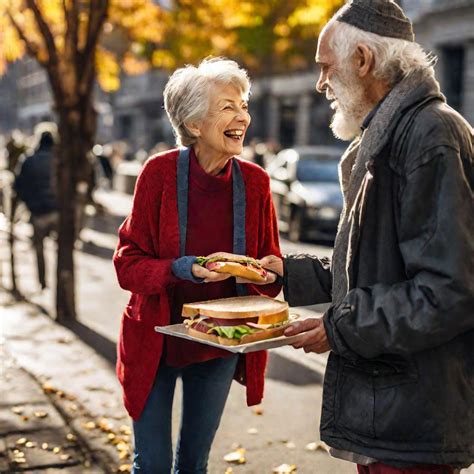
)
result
[(382, 17)]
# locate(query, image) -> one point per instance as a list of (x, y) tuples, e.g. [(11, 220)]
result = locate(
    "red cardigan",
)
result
[(148, 245)]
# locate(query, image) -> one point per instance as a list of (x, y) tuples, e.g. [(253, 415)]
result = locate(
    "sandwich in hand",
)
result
[(238, 320), (245, 267)]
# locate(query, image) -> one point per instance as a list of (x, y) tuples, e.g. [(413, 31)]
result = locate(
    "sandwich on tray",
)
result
[(245, 267), (237, 320)]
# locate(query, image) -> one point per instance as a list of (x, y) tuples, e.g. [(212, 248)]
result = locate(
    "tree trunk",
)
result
[(76, 130), (11, 240)]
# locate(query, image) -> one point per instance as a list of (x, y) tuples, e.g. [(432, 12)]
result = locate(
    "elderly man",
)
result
[(399, 384)]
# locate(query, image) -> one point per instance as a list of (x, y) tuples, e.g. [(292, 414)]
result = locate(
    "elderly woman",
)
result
[(195, 200)]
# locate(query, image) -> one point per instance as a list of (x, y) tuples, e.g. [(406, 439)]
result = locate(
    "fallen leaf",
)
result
[(229, 470), (40, 414), (258, 410), (125, 430), (90, 425), (236, 457), (20, 441), (252, 431), (105, 425), (317, 445), (125, 468), (56, 449), (44, 446), (290, 445), (31, 444), (18, 410), (48, 388), (284, 469), (65, 457), (71, 437)]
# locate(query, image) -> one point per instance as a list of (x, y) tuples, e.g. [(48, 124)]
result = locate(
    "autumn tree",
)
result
[(75, 41), (267, 37)]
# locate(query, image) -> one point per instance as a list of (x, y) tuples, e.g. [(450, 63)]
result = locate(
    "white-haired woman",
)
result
[(194, 200)]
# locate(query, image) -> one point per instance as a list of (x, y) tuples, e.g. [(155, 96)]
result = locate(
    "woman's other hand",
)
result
[(269, 278), (272, 263)]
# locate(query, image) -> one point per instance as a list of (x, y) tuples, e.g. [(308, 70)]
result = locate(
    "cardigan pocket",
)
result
[(131, 338)]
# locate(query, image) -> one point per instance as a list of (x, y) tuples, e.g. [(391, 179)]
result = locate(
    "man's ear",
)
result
[(364, 60)]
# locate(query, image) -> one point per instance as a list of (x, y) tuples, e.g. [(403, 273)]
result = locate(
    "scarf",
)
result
[(356, 174)]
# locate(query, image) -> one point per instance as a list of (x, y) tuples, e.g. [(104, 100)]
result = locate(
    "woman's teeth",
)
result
[(236, 134)]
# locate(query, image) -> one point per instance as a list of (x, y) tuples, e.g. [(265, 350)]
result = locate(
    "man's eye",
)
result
[(245, 106)]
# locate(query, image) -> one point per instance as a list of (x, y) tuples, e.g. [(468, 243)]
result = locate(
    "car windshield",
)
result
[(311, 169)]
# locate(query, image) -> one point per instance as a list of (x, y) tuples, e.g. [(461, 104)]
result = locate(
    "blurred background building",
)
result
[(285, 108)]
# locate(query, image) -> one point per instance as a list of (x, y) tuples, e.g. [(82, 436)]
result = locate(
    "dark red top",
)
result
[(209, 230)]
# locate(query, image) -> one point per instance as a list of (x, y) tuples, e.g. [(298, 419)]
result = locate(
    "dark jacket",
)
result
[(399, 383), (34, 182)]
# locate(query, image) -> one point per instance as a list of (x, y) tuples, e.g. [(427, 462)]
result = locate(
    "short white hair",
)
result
[(188, 91), (394, 58)]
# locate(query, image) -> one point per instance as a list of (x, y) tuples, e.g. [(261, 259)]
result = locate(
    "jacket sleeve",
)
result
[(306, 280), (138, 268), (435, 302), (269, 244)]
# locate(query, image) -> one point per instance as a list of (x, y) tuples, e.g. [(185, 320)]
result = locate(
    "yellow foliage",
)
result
[(108, 70)]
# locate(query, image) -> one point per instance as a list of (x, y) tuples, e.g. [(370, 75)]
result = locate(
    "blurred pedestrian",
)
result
[(195, 200), (34, 186), (399, 383)]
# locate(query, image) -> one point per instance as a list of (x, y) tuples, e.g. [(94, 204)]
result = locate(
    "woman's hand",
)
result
[(201, 272), (272, 263)]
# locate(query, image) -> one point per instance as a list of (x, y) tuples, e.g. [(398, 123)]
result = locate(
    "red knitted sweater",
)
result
[(148, 245)]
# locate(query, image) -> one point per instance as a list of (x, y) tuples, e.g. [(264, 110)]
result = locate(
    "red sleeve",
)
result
[(269, 244), (136, 264)]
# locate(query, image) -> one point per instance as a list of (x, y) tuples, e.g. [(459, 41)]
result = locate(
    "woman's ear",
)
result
[(364, 60), (193, 128)]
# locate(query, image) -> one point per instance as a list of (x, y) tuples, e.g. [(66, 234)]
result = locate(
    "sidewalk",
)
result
[(79, 391)]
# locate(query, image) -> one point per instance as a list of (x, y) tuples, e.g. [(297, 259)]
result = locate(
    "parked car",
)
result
[(306, 191)]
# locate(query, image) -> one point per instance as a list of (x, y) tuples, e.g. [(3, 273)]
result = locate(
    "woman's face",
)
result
[(222, 131)]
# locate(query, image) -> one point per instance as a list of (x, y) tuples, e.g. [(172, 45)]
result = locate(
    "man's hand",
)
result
[(201, 272), (313, 335), (272, 263)]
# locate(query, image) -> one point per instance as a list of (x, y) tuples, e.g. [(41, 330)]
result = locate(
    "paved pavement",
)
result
[(54, 385)]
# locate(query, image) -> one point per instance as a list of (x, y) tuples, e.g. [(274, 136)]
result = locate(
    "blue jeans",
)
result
[(205, 389)]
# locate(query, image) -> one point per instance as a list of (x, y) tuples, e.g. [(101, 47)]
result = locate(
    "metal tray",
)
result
[(179, 330)]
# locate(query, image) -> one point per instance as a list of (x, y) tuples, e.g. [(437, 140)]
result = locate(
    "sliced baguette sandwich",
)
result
[(237, 320)]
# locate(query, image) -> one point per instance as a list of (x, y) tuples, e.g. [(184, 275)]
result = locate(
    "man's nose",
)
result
[(321, 85)]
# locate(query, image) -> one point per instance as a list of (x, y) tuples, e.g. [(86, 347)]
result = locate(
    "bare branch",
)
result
[(72, 19), (45, 31), (98, 11), (97, 15), (32, 48)]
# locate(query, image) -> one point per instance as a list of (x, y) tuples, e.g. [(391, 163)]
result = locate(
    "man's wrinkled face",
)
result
[(343, 88)]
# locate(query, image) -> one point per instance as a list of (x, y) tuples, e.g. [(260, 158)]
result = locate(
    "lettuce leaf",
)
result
[(232, 332)]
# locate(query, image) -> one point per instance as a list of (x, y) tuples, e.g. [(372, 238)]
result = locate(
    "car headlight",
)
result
[(328, 213)]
